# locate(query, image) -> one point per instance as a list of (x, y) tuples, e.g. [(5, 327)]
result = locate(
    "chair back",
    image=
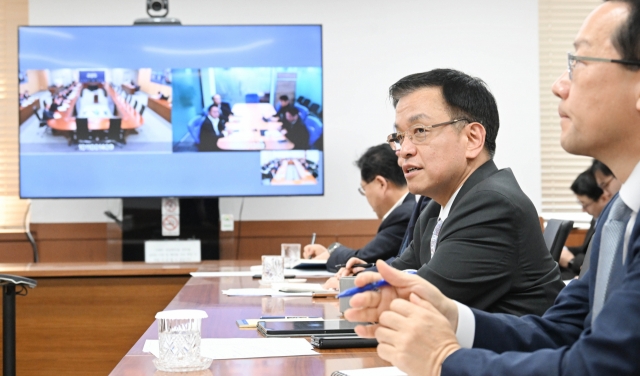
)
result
[(306, 102), (194, 126), (251, 98), (115, 130), (555, 235), (314, 126), (314, 108), (303, 112), (82, 129)]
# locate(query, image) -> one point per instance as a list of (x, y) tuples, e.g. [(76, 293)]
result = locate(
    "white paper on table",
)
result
[(243, 348), (378, 371), (237, 273), (298, 287), (257, 269), (262, 292)]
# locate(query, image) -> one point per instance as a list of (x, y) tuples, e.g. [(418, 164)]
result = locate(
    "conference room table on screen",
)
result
[(129, 89), (223, 311), (301, 175), (28, 108), (247, 130), (64, 120)]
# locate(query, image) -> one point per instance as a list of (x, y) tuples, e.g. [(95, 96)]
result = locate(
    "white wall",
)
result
[(367, 46)]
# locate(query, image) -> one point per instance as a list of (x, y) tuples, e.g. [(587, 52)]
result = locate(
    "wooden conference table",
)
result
[(64, 120), (247, 129), (223, 311)]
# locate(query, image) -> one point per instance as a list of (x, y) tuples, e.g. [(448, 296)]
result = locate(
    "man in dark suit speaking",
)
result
[(383, 184), (211, 130), (479, 240), (593, 328)]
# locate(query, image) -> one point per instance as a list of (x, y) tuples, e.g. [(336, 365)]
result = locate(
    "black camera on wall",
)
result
[(157, 8)]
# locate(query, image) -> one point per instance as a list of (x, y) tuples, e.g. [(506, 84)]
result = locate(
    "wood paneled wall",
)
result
[(70, 242)]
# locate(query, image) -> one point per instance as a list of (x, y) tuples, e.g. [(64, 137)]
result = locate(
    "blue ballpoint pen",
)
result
[(369, 287)]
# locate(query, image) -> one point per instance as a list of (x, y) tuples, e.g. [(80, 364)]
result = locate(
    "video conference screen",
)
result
[(163, 111)]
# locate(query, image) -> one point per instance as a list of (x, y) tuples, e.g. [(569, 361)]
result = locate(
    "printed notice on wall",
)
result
[(170, 216), (172, 251)]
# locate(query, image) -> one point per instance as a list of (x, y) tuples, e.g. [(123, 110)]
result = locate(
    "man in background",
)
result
[(225, 108), (294, 129), (382, 183), (211, 130), (593, 200)]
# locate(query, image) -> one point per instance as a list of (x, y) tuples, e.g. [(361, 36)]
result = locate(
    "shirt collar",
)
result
[(444, 211), (630, 190), (213, 120), (395, 205)]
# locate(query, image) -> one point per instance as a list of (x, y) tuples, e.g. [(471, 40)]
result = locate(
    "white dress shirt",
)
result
[(395, 205), (629, 194), (214, 122)]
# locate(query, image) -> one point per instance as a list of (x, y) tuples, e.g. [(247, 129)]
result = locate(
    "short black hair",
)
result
[(599, 166), (284, 98), (212, 106), (381, 160), (626, 40), (467, 97), (586, 185), (292, 110)]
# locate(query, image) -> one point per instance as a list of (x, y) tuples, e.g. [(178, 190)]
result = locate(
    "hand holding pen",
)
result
[(367, 306)]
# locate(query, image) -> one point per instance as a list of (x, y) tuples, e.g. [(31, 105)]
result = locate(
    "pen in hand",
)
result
[(313, 241), (371, 286), (338, 266)]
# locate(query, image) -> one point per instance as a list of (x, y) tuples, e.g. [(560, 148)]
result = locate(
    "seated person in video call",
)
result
[(479, 239), (225, 108), (211, 130), (294, 129), (284, 104), (593, 200), (163, 97), (383, 184)]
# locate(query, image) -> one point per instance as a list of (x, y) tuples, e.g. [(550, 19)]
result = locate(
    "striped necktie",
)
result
[(434, 237), (610, 244)]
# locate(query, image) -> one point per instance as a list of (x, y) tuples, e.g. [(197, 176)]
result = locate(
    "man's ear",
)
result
[(476, 135), (381, 181)]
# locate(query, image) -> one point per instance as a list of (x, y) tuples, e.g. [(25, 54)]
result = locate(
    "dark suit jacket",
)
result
[(297, 133), (386, 242), (490, 252), (563, 341), (208, 138), (225, 111)]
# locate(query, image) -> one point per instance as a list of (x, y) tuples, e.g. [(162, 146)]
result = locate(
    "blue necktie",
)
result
[(610, 244)]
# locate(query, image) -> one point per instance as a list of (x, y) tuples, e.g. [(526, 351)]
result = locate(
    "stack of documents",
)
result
[(281, 289), (243, 348)]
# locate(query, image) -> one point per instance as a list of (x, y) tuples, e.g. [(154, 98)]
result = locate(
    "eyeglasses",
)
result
[(361, 188), (417, 134), (605, 184), (573, 59), (585, 205)]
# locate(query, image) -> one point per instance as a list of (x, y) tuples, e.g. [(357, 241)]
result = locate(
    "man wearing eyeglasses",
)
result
[(479, 241), (593, 328)]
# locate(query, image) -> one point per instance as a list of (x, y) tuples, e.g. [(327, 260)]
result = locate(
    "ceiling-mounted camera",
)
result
[(158, 10)]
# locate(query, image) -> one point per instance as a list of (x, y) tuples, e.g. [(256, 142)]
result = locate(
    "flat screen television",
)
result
[(170, 111)]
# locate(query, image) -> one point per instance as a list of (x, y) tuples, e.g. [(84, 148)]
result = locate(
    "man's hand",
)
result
[(415, 337), (369, 305), (332, 283), (565, 257), (349, 270), (315, 251)]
